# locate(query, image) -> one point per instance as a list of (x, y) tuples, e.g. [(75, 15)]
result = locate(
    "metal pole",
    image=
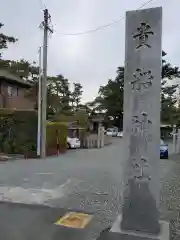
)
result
[(44, 86), (39, 107), (174, 138), (178, 141), (178, 95)]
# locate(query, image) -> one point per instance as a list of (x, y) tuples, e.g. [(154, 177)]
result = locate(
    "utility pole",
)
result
[(44, 83), (178, 95), (39, 105)]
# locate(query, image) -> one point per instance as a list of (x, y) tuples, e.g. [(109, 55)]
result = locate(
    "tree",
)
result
[(59, 93), (5, 64), (110, 96), (168, 97), (64, 94), (29, 72), (25, 70), (110, 99), (4, 40), (76, 95)]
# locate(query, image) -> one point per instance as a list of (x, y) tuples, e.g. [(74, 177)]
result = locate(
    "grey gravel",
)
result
[(170, 196)]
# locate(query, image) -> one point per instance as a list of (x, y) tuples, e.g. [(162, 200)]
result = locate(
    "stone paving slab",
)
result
[(27, 222)]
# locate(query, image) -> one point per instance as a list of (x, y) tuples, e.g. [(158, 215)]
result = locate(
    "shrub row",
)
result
[(18, 132)]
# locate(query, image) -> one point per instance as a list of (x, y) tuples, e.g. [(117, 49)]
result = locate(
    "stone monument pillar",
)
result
[(142, 87)]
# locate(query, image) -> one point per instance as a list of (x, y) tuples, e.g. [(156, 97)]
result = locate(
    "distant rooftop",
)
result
[(12, 78)]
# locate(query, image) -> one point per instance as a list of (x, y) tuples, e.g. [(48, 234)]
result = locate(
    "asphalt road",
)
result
[(81, 180)]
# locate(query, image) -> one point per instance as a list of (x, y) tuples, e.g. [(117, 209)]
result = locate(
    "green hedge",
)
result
[(56, 133), (81, 117), (18, 130)]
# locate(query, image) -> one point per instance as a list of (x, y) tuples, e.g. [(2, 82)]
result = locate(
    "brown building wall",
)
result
[(1, 101), (13, 96)]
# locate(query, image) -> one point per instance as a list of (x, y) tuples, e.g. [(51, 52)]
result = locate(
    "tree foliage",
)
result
[(76, 95), (168, 93), (59, 93), (59, 96), (110, 96), (4, 40)]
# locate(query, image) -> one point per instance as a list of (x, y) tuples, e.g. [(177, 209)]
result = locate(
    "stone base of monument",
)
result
[(131, 235)]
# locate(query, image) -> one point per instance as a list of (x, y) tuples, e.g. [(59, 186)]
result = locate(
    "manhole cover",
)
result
[(74, 220)]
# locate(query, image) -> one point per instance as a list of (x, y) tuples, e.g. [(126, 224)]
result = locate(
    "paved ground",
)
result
[(170, 197), (85, 180), (27, 222)]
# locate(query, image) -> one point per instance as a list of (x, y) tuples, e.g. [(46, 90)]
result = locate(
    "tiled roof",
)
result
[(13, 78)]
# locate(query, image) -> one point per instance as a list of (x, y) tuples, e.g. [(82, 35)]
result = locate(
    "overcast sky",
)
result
[(89, 59)]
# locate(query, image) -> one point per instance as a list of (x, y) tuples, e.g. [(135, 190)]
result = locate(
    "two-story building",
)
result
[(13, 92)]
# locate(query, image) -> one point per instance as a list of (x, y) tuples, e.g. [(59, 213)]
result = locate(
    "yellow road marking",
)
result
[(74, 220)]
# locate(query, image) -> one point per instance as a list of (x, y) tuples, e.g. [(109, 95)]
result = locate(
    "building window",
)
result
[(9, 90)]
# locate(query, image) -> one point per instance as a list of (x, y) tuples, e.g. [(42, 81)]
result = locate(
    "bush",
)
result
[(56, 134), (80, 117), (51, 136), (18, 130)]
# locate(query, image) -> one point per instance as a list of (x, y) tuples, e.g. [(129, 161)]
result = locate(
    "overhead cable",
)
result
[(103, 26)]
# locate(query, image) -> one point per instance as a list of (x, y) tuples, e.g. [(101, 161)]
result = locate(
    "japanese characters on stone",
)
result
[(140, 128), (141, 169), (142, 79), (142, 35)]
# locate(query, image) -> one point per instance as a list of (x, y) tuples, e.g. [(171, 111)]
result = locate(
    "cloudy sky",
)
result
[(89, 59)]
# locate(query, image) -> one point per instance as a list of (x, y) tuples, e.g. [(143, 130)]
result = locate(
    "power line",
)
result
[(103, 26)]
